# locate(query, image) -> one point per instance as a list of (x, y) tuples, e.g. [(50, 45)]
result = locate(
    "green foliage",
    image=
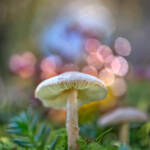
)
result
[(94, 132), (138, 94), (59, 139), (27, 131), (144, 135), (93, 146), (100, 137), (90, 130), (84, 144), (6, 144)]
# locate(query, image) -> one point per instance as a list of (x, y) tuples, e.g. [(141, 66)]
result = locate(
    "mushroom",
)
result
[(123, 116), (69, 91)]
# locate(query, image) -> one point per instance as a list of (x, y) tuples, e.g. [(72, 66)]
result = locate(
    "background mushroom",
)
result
[(123, 116), (70, 90)]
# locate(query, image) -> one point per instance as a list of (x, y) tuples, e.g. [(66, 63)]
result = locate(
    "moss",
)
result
[(6, 144), (59, 137), (94, 146), (82, 144)]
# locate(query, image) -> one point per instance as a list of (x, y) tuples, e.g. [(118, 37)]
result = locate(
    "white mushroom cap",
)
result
[(53, 92), (122, 115)]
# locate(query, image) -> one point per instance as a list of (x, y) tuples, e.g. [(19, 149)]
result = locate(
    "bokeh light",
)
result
[(122, 46), (107, 77), (115, 65), (90, 70), (47, 63), (91, 45), (23, 65), (119, 87), (121, 64), (104, 51), (13, 63), (108, 61), (48, 68), (95, 59), (57, 60), (41, 39)]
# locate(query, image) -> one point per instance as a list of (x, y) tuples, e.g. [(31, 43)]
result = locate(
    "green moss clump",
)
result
[(6, 144), (94, 146), (59, 139)]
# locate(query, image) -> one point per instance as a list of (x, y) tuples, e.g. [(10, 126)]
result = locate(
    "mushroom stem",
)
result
[(72, 120), (124, 133)]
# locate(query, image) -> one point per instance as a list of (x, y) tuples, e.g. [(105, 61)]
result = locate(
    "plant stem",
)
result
[(72, 120), (124, 133)]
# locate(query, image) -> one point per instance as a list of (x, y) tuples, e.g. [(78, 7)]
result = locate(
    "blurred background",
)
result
[(43, 38)]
